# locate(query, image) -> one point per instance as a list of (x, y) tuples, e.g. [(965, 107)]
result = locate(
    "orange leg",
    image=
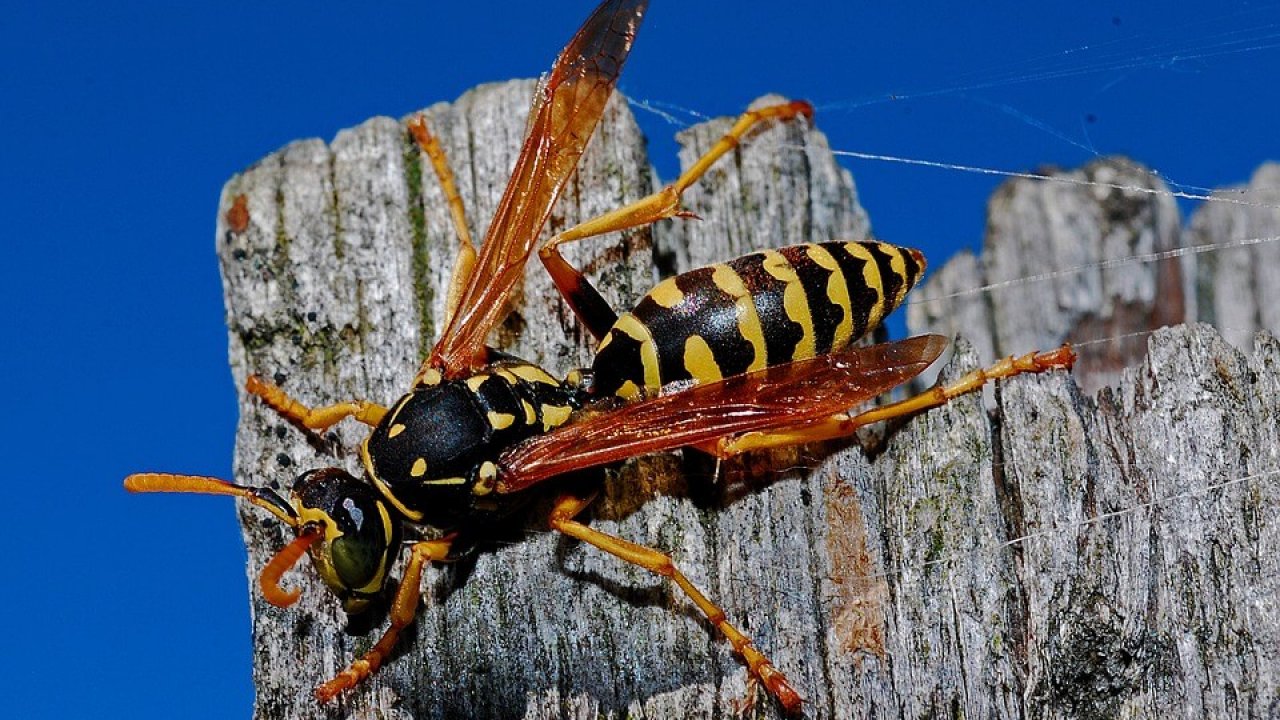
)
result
[(587, 304), (319, 419), (403, 610), (843, 424), (568, 506), (466, 248)]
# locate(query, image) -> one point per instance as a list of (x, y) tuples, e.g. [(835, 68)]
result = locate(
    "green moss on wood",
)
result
[(424, 293)]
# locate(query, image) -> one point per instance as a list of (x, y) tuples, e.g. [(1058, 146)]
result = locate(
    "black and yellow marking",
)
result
[(486, 478), (534, 374), (431, 457), (428, 377), (629, 347), (761, 309)]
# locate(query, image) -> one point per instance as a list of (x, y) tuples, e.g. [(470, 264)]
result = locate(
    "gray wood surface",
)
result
[(1088, 222), (883, 583)]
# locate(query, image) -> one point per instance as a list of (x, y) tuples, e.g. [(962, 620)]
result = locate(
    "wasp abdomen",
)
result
[(761, 309)]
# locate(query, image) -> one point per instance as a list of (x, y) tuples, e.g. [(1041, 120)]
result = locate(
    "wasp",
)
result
[(754, 353)]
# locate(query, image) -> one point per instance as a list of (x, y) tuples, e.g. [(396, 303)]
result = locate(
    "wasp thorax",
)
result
[(359, 537), (434, 456)]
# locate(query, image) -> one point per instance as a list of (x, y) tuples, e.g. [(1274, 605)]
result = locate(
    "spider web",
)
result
[(1067, 106)]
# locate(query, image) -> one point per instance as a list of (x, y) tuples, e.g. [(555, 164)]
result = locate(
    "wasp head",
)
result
[(356, 539), (351, 535)]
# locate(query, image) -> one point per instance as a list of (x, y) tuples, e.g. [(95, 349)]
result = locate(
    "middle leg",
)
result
[(466, 248)]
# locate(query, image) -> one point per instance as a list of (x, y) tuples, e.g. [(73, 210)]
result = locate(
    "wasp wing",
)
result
[(566, 108), (778, 397)]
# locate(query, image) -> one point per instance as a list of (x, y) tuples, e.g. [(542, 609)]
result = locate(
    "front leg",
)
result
[(318, 419), (403, 609)]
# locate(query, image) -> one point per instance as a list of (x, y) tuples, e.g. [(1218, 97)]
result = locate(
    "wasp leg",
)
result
[(593, 312), (403, 610), (842, 424), (568, 506), (319, 419), (466, 248), (585, 301)]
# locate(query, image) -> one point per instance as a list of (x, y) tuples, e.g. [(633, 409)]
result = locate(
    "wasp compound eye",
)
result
[(358, 552)]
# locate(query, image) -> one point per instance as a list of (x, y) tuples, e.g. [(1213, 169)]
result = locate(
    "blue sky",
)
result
[(119, 125)]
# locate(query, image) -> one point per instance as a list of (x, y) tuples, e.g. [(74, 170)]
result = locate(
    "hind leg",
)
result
[(591, 309), (843, 424)]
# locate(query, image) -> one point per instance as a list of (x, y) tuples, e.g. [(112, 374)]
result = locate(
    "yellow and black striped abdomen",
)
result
[(761, 309)]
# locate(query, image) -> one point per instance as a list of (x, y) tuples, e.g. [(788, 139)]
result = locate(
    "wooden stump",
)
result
[(883, 584)]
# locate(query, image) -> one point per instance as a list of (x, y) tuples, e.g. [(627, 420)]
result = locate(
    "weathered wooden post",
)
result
[(1026, 563)]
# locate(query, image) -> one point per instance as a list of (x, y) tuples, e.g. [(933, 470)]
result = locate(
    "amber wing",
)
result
[(566, 108), (778, 397)]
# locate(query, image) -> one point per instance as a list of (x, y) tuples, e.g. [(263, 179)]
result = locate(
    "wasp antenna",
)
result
[(288, 556), (165, 482)]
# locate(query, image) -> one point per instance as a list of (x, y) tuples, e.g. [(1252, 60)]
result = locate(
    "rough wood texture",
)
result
[(1089, 222), (1177, 456), (1238, 288), (1070, 259), (882, 586)]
